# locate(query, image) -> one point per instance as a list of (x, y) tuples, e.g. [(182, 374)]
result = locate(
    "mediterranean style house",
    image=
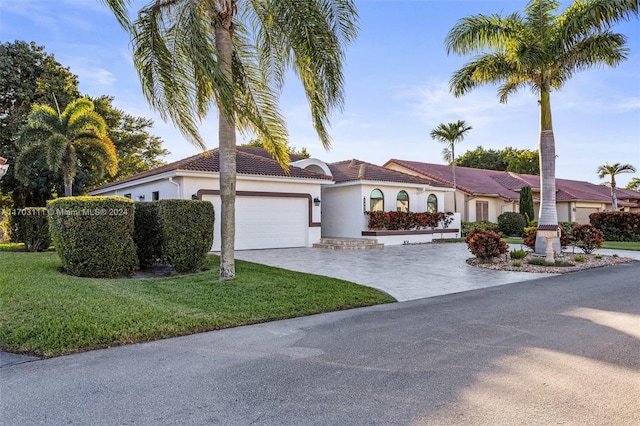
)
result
[(318, 200), (485, 194), (275, 209)]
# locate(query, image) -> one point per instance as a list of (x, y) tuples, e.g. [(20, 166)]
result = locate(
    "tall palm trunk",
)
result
[(227, 150), (453, 164), (548, 215), (614, 197)]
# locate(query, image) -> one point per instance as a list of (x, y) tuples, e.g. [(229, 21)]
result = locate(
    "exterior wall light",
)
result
[(316, 201), (141, 198)]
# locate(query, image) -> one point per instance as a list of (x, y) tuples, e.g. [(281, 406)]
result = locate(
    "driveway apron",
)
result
[(406, 272)]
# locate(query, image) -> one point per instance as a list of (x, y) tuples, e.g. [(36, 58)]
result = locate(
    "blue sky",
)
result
[(397, 77)]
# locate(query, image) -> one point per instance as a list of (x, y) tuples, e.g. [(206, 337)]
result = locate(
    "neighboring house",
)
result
[(273, 209), (485, 194), (361, 187), (277, 210)]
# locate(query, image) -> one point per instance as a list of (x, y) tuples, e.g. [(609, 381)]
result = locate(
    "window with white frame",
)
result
[(376, 201)]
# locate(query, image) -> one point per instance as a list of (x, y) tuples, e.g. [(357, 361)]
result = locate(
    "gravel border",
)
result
[(505, 263)]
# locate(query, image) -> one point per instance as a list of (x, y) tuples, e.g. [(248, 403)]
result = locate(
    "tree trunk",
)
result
[(227, 150), (548, 214), (453, 163), (614, 198)]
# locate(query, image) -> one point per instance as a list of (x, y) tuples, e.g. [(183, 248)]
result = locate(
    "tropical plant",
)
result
[(76, 132), (29, 75), (634, 185), (486, 244), (451, 134), (191, 54), (540, 50), (587, 237), (526, 203), (612, 170)]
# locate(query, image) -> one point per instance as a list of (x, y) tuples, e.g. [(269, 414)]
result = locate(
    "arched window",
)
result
[(376, 201), (402, 202), (432, 203)]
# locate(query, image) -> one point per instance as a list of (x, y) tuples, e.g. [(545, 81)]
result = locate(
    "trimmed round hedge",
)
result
[(94, 235)]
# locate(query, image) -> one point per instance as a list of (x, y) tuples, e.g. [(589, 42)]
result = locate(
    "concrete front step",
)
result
[(348, 244)]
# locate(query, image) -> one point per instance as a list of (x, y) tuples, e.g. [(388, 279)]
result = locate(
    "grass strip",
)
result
[(46, 313)]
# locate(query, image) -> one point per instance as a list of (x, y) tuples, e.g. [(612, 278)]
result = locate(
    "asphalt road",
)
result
[(558, 350)]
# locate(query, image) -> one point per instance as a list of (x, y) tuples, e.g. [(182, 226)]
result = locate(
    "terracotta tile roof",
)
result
[(507, 184), (249, 161), (354, 170)]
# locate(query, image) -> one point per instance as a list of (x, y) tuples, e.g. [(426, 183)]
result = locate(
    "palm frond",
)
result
[(101, 152), (57, 146), (120, 10), (479, 32), (583, 18)]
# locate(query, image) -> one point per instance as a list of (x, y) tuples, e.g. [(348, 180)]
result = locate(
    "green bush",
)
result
[(187, 232), (148, 234), (94, 235), (540, 261), (485, 244), (30, 226), (483, 225), (518, 254), (512, 224), (568, 226), (617, 226), (587, 237)]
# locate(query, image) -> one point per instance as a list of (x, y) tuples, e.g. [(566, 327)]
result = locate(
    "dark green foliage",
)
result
[(518, 254), (29, 75), (148, 234), (484, 225), (508, 159), (486, 244), (31, 227), (94, 235), (568, 226), (617, 226), (526, 203), (587, 237), (512, 224), (187, 232)]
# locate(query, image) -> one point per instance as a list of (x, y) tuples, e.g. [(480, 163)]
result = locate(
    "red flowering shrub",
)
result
[(407, 221), (485, 244), (587, 237), (532, 232)]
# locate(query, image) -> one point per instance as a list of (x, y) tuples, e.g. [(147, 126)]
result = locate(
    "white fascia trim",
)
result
[(153, 178), (262, 178), (395, 184)]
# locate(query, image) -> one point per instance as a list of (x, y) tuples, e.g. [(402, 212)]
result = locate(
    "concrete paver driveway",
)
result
[(406, 272)]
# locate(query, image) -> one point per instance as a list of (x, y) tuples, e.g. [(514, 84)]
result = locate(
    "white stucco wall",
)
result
[(344, 205), (189, 183)]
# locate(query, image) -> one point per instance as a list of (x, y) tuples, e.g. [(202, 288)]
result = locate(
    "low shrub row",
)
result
[(484, 225), (112, 236), (586, 237), (407, 220), (617, 226)]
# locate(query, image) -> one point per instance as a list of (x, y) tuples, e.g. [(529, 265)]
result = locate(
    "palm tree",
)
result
[(193, 53), (613, 170), (634, 185), (539, 50), (450, 134), (62, 136)]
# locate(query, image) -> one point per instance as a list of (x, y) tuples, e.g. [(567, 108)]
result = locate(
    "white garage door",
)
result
[(582, 214), (266, 222)]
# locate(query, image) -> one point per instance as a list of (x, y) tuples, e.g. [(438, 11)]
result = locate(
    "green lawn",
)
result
[(46, 313)]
